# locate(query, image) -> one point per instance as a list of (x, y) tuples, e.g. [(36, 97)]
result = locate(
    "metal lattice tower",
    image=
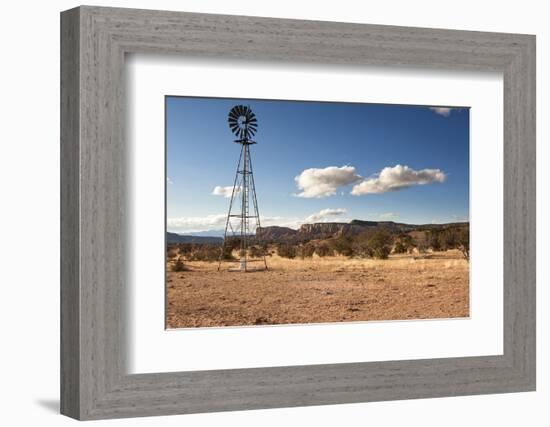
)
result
[(242, 221)]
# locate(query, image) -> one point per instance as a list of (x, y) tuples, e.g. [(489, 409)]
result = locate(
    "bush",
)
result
[(286, 250), (179, 265), (205, 253), (361, 248), (256, 252), (227, 253), (380, 244), (404, 244), (324, 250), (185, 248), (463, 241), (435, 240), (343, 245), (399, 248), (172, 252), (306, 250)]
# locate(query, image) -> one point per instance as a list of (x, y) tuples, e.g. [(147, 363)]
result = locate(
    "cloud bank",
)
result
[(396, 178), (317, 183), (217, 222), (194, 224)]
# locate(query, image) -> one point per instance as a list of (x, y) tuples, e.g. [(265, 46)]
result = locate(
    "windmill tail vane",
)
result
[(243, 217)]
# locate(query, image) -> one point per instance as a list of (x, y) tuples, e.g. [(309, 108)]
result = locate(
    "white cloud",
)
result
[(397, 178), (168, 180), (319, 183), (442, 111), (224, 191), (325, 215), (184, 225), (388, 215), (199, 223)]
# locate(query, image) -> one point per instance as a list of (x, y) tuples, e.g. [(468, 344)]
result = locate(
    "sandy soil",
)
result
[(319, 290)]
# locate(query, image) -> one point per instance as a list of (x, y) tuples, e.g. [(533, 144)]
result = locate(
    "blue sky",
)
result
[(319, 161)]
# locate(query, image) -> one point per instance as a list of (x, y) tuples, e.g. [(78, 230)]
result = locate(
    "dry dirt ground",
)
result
[(319, 290)]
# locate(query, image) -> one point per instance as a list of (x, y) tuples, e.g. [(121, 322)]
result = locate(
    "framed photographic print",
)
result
[(261, 213)]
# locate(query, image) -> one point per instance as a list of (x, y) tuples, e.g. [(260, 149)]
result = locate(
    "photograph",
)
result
[(304, 212)]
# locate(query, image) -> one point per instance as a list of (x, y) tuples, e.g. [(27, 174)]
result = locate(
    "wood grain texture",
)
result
[(70, 264), (94, 271)]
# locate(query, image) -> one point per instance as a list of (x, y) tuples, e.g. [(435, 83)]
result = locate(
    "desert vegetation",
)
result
[(375, 274), (377, 244)]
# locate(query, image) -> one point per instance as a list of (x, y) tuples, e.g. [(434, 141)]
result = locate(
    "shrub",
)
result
[(227, 253), (179, 265), (434, 240), (286, 250), (306, 250), (380, 244), (343, 245), (256, 252), (172, 252), (399, 248), (463, 240), (324, 250), (404, 243), (205, 253), (185, 248), (360, 248)]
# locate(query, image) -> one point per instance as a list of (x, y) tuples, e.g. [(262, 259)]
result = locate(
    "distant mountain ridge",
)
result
[(174, 238), (325, 230), (314, 231)]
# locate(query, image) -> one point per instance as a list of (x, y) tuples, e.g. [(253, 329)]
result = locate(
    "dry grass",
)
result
[(319, 290)]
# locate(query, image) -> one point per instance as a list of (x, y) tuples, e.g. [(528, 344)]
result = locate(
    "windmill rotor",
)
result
[(242, 122)]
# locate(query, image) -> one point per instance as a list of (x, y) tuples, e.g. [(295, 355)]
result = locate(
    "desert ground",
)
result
[(319, 290)]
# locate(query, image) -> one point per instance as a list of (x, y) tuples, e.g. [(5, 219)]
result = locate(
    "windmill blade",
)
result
[(242, 121)]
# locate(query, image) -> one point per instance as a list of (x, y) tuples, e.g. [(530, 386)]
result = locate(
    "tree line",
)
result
[(380, 244)]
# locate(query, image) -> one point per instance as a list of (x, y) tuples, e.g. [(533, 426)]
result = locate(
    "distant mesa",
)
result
[(326, 230), (315, 231)]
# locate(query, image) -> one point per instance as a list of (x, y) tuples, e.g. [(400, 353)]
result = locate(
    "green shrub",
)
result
[(380, 244), (399, 248), (286, 250), (343, 245)]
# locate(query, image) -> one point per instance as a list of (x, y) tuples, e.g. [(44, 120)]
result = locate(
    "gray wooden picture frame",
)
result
[(94, 381)]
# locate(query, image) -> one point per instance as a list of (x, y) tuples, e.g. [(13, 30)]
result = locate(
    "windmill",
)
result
[(242, 219)]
